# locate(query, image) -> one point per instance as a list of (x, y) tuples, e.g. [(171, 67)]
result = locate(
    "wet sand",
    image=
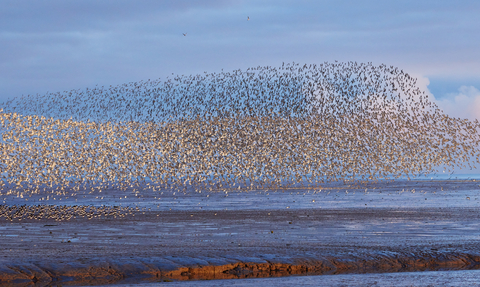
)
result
[(156, 246)]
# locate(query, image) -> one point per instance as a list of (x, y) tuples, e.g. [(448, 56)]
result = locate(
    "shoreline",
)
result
[(148, 270)]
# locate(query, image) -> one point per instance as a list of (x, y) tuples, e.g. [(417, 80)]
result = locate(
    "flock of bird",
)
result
[(263, 127), (61, 212)]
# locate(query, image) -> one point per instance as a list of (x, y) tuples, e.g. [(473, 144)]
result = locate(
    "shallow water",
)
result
[(399, 194), (432, 278)]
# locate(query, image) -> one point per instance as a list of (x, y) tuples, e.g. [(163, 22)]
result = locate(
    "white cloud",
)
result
[(463, 104)]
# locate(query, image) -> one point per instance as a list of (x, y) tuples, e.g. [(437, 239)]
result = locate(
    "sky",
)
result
[(60, 45)]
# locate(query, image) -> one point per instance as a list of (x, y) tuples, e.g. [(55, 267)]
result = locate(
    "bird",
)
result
[(265, 127), (61, 212), (248, 18), (184, 34)]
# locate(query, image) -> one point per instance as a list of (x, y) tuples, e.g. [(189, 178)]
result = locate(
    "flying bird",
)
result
[(248, 18), (184, 34), (219, 130)]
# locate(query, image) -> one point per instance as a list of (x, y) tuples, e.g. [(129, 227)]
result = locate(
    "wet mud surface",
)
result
[(157, 246)]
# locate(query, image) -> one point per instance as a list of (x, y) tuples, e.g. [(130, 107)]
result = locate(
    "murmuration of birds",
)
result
[(266, 127)]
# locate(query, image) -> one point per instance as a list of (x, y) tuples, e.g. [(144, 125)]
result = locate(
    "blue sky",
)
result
[(58, 45)]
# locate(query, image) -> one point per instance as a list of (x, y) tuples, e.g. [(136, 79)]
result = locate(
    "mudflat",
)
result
[(213, 243)]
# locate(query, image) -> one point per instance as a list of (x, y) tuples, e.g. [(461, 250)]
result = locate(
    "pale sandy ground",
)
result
[(211, 243)]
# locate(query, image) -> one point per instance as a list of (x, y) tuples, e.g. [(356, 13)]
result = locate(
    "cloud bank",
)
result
[(463, 104), (62, 45)]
